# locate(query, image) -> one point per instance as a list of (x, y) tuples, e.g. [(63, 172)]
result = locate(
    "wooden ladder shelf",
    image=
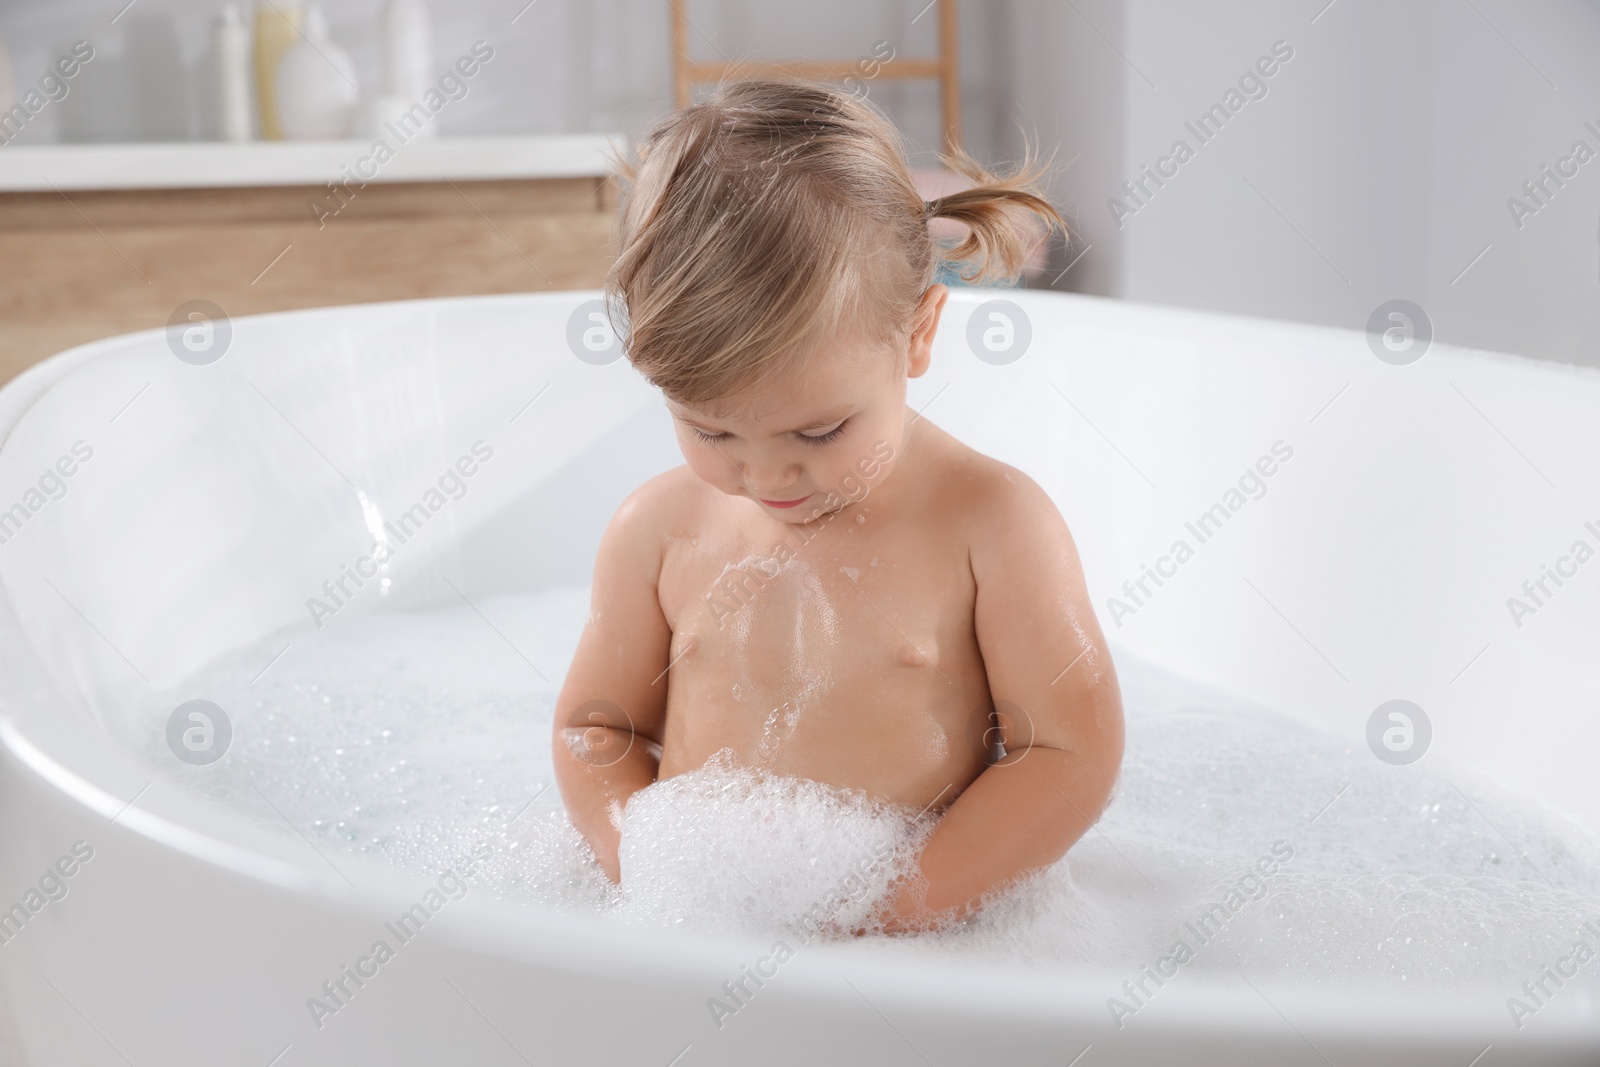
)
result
[(686, 72)]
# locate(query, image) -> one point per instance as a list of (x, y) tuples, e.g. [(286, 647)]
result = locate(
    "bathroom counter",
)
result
[(104, 239), (219, 165)]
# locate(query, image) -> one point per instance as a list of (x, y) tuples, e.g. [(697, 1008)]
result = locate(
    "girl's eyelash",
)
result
[(819, 439), (822, 439)]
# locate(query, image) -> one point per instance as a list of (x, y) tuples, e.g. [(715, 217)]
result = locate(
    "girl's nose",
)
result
[(770, 478)]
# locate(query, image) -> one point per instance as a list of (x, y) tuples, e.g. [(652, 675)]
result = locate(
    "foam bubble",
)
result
[(728, 848), (418, 738)]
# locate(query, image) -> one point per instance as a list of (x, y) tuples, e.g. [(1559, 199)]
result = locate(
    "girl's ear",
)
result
[(925, 324)]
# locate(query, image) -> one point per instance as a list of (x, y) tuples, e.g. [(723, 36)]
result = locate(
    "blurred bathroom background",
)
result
[(1384, 160)]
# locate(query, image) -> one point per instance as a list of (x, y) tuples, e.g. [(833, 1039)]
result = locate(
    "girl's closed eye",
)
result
[(824, 438), (812, 439)]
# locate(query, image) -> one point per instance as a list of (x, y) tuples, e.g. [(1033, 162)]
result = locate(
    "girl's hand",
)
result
[(611, 864), (904, 910)]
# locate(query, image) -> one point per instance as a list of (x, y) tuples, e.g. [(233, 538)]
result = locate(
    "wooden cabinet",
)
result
[(80, 264)]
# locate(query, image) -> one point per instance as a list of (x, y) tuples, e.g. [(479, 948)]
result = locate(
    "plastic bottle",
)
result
[(276, 29), (405, 52), (406, 42), (230, 58), (8, 93), (315, 84)]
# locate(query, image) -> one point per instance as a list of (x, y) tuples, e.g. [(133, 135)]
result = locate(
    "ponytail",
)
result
[(1006, 217)]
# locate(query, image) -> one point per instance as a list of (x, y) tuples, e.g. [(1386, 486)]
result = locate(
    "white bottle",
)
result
[(8, 92), (315, 84), (406, 43), (405, 46), (230, 72)]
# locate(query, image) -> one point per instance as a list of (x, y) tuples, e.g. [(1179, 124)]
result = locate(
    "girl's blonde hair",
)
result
[(780, 213)]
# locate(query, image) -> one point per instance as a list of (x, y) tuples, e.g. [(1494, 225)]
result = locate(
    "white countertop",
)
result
[(214, 164)]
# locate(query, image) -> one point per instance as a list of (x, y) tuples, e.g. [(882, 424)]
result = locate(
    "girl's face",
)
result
[(817, 439)]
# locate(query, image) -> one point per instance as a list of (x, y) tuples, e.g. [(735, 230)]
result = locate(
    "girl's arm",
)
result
[(608, 720), (1057, 702)]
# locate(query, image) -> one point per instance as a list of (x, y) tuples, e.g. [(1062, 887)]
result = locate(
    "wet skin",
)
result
[(918, 603)]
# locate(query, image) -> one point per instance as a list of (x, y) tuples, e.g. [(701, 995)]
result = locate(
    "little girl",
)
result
[(832, 587)]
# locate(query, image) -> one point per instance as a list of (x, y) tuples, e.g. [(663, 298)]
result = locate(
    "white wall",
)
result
[(1377, 166), (1066, 81)]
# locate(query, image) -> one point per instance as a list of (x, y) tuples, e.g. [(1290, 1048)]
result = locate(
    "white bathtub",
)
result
[(1377, 566)]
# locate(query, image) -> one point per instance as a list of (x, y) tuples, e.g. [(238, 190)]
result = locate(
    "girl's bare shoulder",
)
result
[(984, 494), (665, 506)]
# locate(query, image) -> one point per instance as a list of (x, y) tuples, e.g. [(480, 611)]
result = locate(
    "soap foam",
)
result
[(728, 848), (417, 738)]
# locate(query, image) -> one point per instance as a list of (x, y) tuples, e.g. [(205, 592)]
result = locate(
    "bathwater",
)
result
[(1237, 838)]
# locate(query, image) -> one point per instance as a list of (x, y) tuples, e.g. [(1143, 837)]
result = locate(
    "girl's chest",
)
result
[(847, 590)]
